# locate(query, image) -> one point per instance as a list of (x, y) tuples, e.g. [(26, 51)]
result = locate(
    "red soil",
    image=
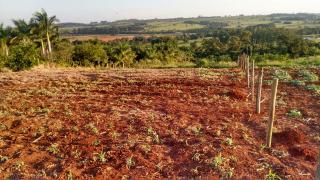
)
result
[(150, 124), (289, 137)]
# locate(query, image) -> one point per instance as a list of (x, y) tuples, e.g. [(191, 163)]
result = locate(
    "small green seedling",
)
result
[(229, 173), (154, 135), (102, 157), (130, 162), (272, 176), (53, 148), (19, 165), (96, 142), (217, 161), (69, 175), (229, 141), (93, 128), (294, 113)]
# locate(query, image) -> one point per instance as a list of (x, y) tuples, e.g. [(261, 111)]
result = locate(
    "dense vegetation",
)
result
[(37, 41), (303, 23)]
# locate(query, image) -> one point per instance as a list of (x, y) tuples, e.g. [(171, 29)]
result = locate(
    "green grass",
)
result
[(163, 25), (292, 63), (171, 26)]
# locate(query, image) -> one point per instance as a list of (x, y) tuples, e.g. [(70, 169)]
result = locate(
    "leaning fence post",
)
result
[(272, 112), (252, 81), (248, 72), (259, 92)]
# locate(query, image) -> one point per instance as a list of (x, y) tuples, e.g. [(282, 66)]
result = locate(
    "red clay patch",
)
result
[(238, 94), (288, 137), (307, 152), (148, 124)]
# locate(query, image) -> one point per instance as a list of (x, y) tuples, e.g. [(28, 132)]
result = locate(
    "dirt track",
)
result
[(150, 123)]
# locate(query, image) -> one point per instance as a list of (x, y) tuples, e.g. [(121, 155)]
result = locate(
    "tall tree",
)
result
[(45, 25), (5, 36), (124, 55), (21, 31)]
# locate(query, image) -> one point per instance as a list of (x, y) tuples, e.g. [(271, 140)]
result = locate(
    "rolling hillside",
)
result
[(307, 23)]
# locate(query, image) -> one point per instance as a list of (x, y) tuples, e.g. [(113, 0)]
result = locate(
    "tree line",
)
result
[(37, 41)]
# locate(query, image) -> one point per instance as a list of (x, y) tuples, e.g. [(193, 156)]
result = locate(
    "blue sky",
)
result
[(110, 10)]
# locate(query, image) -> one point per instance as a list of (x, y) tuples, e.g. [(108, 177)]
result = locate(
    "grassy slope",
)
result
[(170, 26), (179, 24)]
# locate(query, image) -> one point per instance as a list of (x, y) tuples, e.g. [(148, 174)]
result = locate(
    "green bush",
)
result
[(3, 60), (225, 58), (88, 54), (270, 57), (308, 76), (282, 75), (203, 63), (22, 57), (62, 53)]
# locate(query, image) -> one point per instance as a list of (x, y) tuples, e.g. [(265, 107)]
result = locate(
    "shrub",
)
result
[(22, 57), (62, 53), (88, 54), (3, 60), (282, 75), (308, 76), (203, 63), (224, 58), (271, 57)]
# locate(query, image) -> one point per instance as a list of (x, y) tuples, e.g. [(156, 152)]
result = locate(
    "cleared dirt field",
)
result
[(170, 123)]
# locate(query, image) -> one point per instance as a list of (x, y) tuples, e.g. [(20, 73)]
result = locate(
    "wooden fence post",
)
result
[(259, 92), (318, 168), (272, 111), (248, 71), (243, 63), (252, 81)]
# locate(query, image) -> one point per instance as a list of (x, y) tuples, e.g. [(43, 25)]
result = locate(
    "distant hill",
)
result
[(300, 21)]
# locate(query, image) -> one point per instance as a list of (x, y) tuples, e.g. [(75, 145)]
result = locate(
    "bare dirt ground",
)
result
[(170, 123)]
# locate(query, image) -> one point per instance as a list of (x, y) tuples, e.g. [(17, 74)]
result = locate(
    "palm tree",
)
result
[(22, 30), (5, 36), (124, 55), (38, 35), (45, 26)]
